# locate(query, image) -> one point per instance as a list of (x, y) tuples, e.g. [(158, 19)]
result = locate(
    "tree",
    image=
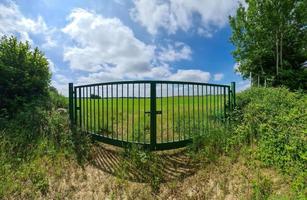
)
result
[(271, 39), (24, 75)]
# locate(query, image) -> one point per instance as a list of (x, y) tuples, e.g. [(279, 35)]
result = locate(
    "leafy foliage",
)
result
[(276, 120), (270, 39), (24, 75)]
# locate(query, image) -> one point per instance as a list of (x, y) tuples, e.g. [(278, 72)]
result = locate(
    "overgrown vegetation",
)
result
[(145, 162), (269, 123), (273, 122), (35, 138)]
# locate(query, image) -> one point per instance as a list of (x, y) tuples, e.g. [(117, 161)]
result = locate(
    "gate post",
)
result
[(71, 102), (233, 94), (153, 116)]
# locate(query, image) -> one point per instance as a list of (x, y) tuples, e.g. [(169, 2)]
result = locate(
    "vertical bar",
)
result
[(80, 107), (221, 103), (122, 112), (233, 92), (83, 103), (99, 127), (210, 107), (71, 102), (167, 112), (127, 112), (202, 109), (173, 111), (214, 105), (112, 121), (144, 113), (94, 97), (224, 94), (91, 111), (102, 96), (229, 103), (139, 113), (116, 111), (189, 111), (161, 115), (87, 115), (132, 111), (107, 102), (198, 108), (75, 106), (207, 114), (183, 111), (153, 116), (193, 109), (178, 114)]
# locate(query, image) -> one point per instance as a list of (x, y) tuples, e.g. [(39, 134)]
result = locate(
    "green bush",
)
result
[(24, 76), (24, 142), (274, 119), (209, 146)]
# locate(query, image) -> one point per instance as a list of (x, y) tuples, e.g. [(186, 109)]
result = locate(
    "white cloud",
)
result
[(105, 44), (218, 77), (62, 88), (173, 15), (191, 75), (52, 67), (179, 51), (108, 51), (205, 33), (62, 79), (13, 22)]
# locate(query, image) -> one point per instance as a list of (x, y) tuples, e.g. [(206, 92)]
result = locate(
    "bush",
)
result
[(275, 119), (209, 146), (24, 75), (25, 141)]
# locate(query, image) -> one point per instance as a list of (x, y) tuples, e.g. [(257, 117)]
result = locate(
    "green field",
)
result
[(128, 119)]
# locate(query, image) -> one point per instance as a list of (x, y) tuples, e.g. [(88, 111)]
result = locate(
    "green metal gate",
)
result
[(155, 114)]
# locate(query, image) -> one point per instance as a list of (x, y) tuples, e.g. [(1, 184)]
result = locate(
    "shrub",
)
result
[(24, 75), (275, 119)]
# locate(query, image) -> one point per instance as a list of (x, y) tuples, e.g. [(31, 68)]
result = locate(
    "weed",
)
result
[(262, 188)]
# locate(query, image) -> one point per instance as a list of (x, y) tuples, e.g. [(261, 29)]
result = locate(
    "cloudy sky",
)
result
[(96, 41)]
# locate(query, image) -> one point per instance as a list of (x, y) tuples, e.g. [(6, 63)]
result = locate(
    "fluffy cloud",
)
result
[(191, 75), (52, 67), (107, 50), (179, 51), (172, 15), (218, 77), (13, 22), (105, 44)]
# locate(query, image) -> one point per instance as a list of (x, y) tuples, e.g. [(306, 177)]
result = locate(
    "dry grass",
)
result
[(226, 178)]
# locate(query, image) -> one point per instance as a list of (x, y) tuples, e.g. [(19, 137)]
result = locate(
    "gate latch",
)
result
[(158, 112)]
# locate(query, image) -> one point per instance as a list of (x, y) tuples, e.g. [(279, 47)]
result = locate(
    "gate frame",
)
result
[(153, 145)]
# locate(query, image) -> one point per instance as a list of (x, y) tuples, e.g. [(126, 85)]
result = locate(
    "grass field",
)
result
[(128, 119)]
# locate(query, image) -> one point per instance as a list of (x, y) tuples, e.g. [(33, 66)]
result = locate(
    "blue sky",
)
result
[(96, 41)]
